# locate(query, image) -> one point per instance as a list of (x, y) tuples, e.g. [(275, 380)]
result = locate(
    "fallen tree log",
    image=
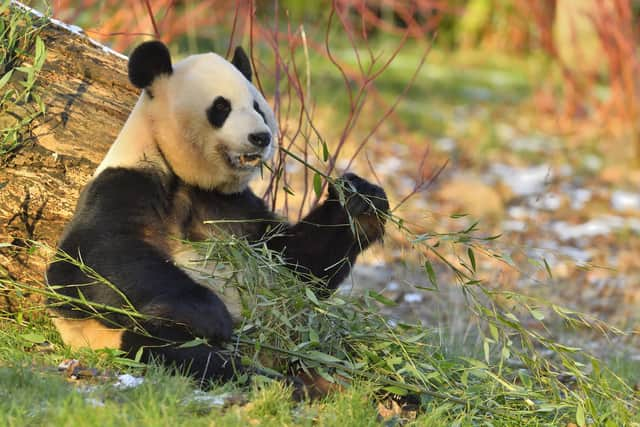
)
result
[(87, 96)]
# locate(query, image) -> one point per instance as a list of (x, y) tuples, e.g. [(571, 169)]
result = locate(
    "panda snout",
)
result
[(260, 139)]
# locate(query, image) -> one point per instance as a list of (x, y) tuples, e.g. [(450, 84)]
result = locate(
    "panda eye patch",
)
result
[(259, 111), (218, 112)]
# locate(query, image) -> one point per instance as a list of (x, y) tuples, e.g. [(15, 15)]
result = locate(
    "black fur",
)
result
[(259, 111), (242, 62), (148, 61), (218, 112), (123, 227)]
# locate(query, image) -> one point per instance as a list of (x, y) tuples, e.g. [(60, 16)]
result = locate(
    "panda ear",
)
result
[(148, 61), (242, 62)]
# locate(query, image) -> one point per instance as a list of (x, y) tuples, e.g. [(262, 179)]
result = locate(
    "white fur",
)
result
[(209, 274), (174, 122)]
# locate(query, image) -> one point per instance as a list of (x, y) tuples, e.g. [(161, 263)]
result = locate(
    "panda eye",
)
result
[(218, 112), (221, 104), (259, 111)]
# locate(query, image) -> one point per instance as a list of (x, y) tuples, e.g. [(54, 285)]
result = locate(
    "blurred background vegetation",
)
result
[(591, 42), (526, 112), (577, 59)]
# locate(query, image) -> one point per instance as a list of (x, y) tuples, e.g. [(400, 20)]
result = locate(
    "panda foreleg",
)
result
[(327, 241)]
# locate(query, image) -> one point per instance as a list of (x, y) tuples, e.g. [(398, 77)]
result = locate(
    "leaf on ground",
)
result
[(33, 338)]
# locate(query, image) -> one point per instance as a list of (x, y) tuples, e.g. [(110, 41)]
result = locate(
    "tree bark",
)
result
[(87, 97)]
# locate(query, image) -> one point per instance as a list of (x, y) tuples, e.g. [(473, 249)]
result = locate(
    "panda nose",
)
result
[(260, 139)]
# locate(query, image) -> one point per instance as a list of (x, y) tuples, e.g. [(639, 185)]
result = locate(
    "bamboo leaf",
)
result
[(193, 343), (580, 416), (317, 184), (311, 296), (33, 338), (396, 390), (5, 78), (381, 299), (323, 357), (472, 258), (546, 266), (430, 273), (537, 314)]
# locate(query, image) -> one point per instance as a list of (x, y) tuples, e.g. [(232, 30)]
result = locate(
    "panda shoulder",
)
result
[(119, 187)]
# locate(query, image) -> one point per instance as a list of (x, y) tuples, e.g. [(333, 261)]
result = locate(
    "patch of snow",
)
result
[(210, 400), (625, 201), (126, 381), (546, 201), (445, 144), (413, 297), (514, 225), (580, 256), (389, 166), (520, 212), (579, 197), (524, 181), (551, 251), (601, 226), (392, 286)]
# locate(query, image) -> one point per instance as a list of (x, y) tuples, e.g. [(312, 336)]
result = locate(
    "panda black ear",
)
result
[(242, 62), (148, 61)]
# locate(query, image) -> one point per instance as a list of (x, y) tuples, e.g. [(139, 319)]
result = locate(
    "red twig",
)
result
[(152, 18), (233, 29)]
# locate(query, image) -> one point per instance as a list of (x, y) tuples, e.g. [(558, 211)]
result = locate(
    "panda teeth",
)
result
[(252, 160)]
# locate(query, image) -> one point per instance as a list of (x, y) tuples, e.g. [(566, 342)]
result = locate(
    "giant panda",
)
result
[(195, 139)]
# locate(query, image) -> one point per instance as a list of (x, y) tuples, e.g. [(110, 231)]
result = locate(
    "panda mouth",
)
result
[(245, 161), (250, 160)]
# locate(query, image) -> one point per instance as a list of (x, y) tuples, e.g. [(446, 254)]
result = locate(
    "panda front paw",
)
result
[(365, 203), (358, 195), (211, 319), (204, 316)]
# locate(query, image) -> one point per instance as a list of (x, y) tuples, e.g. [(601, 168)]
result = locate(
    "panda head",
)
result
[(211, 126)]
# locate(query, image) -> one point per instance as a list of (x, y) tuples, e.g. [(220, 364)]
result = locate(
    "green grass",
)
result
[(32, 392), (505, 378)]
